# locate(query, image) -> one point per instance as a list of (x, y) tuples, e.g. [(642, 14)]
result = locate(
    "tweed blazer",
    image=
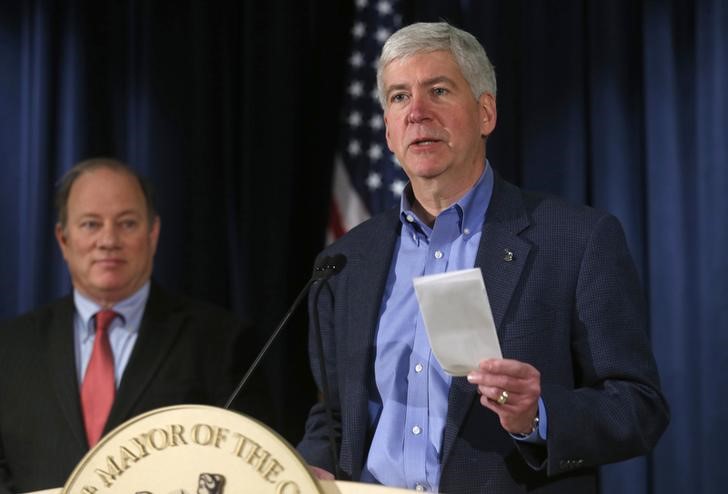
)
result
[(568, 301)]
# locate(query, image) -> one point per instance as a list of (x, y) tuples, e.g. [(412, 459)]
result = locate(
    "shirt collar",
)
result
[(87, 308), (471, 207)]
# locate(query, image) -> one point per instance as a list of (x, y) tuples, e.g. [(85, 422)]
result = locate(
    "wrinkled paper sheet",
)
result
[(458, 319)]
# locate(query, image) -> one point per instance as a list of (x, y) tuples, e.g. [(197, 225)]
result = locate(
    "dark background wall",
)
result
[(232, 109)]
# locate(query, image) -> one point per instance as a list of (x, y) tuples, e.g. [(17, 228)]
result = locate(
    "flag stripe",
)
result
[(367, 177)]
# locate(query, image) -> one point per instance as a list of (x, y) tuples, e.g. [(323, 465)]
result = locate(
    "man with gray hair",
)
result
[(578, 385), (119, 345)]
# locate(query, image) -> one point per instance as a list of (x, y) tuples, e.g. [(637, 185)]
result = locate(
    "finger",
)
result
[(495, 394), (502, 397), (510, 384), (504, 410), (475, 377), (490, 404), (498, 380), (320, 473), (506, 401), (508, 367)]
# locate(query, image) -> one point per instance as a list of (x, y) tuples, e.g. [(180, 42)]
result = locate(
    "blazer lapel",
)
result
[(502, 253), (369, 268), (157, 333), (62, 363), (501, 257)]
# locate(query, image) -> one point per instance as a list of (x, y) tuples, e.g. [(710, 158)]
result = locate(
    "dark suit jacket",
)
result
[(186, 352), (569, 303)]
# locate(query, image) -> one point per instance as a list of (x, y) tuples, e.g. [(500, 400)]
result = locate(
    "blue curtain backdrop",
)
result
[(230, 108)]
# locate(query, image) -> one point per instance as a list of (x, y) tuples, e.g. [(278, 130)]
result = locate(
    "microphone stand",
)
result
[(270, 341), (326, 395), (322, 272)]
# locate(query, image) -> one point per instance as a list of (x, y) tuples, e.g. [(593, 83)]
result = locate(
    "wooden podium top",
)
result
[(198, 449), (327, 487)]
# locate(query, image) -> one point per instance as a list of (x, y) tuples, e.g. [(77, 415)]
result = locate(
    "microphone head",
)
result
[(337, 262), (329, 266)]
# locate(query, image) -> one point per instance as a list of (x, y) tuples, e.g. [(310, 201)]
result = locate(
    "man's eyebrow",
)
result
[(129, 211), (126, 212), (426, 83), (396, 87), (437, 80)]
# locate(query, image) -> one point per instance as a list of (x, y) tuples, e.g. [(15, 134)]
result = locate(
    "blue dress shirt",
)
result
[(123, 331), (409, 405)]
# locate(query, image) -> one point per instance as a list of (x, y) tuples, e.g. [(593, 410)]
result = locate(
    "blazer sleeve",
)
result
[(615, 409)]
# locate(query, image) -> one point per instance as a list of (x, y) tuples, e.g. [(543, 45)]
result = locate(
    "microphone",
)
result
[(329, 266), (322, 271), (333, 265)]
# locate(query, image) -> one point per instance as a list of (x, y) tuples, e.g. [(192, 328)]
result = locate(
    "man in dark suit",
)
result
[(62, 384), (577, 387)]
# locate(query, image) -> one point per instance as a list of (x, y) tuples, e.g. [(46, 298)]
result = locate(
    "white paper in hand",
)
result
[(458, 319)]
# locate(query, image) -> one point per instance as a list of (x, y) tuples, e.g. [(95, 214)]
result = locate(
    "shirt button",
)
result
[(410, 218), (466, 231), (416, 430), (418, 368), (420, 488), (438, 254)]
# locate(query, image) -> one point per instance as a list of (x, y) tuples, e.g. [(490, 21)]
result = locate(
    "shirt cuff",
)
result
[(538, 436)]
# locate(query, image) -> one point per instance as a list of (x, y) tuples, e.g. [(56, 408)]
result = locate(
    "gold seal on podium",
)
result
[(190, 449)]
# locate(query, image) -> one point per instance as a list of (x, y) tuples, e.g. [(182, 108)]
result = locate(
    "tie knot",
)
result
[(103, 319)]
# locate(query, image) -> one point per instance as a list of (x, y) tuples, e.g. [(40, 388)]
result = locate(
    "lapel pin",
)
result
[(508, 255)]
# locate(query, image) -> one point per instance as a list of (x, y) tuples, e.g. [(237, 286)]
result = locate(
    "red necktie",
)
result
[(98, 388)]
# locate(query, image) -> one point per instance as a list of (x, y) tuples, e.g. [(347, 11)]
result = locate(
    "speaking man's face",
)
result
[(435, 125)]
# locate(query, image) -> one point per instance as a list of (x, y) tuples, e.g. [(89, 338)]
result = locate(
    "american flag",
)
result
[(367, 177)]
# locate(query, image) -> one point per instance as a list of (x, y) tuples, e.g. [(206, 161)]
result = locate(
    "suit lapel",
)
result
[(501, 256), (502, 253), (62, 363), (369, 270), (158, 331)]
